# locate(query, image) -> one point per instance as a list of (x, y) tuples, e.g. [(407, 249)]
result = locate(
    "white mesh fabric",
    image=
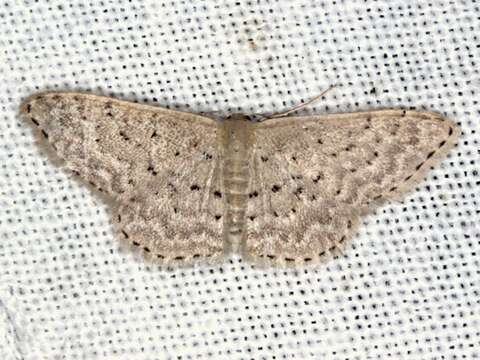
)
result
[(408, 285)]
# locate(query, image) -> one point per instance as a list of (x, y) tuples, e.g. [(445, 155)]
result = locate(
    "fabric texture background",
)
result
[(408, 285)]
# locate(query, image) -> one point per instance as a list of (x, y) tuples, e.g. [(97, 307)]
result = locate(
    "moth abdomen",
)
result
[(237, 140)]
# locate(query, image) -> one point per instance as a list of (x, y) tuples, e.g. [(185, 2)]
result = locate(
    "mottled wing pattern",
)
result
[(313, 176), (162, 167)]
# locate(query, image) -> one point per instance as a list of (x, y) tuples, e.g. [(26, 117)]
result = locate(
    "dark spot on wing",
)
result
[(151, 170), (298, 191), (317, 178), (123, 135), (207, 156)]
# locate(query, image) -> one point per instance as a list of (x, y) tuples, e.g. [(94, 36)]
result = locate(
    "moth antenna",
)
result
[(300, 106)]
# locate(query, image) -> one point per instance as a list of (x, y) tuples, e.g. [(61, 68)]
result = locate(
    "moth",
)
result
[(288, 190)]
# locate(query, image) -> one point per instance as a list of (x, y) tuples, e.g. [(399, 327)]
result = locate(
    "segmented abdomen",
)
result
[(237, 138)]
